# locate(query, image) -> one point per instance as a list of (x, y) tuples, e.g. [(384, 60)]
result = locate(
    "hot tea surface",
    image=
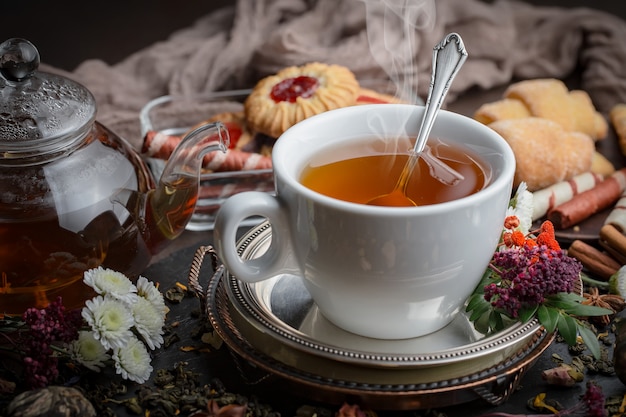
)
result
[(362, 178)]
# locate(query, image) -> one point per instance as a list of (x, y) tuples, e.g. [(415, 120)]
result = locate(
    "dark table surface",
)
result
[(174, 264)]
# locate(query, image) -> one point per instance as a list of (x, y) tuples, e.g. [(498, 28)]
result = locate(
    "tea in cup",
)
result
[(381, 272), (460, 172)]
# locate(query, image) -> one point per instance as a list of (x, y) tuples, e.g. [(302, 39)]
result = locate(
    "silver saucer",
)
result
[(319, 377), (281, 309)]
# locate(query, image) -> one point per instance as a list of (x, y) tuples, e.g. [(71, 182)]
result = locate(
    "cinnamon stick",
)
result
[(614, 242), (595, 261), (589, 202)]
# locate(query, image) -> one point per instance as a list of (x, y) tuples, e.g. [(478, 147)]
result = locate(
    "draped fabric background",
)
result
[(234, 47)]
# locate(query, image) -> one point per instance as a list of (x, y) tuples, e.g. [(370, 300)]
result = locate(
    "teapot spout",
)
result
[(171, 204)]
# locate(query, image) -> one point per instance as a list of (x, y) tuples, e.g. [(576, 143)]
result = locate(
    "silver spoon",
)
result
[(448, 57)]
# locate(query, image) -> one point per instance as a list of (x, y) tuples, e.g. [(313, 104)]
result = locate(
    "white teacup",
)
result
[(381, 272)]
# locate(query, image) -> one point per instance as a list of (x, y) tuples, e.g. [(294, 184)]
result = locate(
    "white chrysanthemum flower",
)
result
[(110, 282), (522, 207), (133, 361), (110, 320), (149, 322), (88, 351), (150, 292)]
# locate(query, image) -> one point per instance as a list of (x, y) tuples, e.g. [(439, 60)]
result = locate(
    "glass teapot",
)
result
[(73, 194)]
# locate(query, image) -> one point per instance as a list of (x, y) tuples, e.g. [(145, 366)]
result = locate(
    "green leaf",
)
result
[(525, 314), (479, 311), (563, 300), (584, 310), (590, 339), (548, 317), (489, 275), (571, 304), (482, 323), (475, 301), (567, 327), (499, 321)]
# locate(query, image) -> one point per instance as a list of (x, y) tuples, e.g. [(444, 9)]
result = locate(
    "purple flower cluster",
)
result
[(592, 404), (46, 327), (528, 274)]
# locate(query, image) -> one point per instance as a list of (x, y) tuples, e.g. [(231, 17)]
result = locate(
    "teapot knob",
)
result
[(19, 59)]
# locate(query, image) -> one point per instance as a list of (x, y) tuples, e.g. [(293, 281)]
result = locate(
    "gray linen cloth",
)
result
[(234, 47)]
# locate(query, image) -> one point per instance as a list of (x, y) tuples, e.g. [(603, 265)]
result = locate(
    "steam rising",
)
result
[(393, 28)]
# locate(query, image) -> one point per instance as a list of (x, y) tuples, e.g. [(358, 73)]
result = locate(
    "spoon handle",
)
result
[(448, 57)]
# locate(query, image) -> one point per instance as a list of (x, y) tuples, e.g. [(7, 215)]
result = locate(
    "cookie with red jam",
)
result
[(293, 94)]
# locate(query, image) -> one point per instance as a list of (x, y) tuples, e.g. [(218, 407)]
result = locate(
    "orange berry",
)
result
[(518, 238), (548, 240), (507, 239), (511, 222), (530, 243), (547, 227)]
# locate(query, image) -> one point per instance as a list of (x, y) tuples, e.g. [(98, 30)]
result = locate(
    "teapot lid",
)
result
[(40, 113)]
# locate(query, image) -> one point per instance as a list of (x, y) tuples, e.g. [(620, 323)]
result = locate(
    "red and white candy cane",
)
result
[(589, 202), (548, 198), (159, 145)]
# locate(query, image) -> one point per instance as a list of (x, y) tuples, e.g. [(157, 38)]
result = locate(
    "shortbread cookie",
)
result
[(547, 98), (545, 153), (279, 101), (507, 108), (587, 119)]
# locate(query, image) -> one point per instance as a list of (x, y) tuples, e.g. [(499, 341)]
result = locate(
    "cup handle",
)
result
[(279, 256)]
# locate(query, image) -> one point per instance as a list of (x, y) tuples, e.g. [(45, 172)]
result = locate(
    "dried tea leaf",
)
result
[(557, 357), (132, 405), (175, 294), (170, 339), (188, 348), (212, 339)]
